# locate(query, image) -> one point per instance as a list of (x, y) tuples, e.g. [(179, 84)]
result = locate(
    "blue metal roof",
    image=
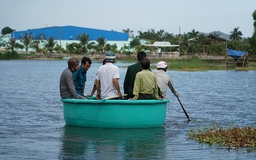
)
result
[(71, 33)]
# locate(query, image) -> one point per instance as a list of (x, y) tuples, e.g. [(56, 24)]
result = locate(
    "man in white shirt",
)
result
[(163, 79), (107, 78)]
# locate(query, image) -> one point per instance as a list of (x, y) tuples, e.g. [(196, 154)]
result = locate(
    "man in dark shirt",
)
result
[(80, 75), (131, 73)]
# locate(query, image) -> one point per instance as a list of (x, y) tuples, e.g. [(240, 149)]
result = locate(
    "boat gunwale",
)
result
[(103, 101)]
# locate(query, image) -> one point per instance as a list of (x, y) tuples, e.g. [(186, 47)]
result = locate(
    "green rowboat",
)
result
[(114, 113)]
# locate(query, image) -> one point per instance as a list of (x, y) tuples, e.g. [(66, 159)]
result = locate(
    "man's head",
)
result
[(141, 55), (145, 64), (73, 64), (161, 65), (110, 56), (86, 63)]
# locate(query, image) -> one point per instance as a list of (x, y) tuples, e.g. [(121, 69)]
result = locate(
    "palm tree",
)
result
[(214, 34), (11, 44), (49, 44), (140, 34), (193, 33), (160, 35), (38, 41), (73, 48), (130, 32), (27, 40), (101, 44), (127, 30), (84, 42), (236, 34)]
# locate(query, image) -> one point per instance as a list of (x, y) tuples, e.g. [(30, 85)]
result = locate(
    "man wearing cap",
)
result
[(163, 79), (107, 78), (131, 73), (80, 75), (67, 86)]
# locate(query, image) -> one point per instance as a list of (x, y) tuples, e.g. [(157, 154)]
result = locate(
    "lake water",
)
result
[(32, 125)]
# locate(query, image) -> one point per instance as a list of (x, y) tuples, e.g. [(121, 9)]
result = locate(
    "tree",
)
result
[(49, 44), (160, 35), (101, 44), (202, 41), (135, 42), (252, 40), (236, 34), (127, 30), (11, 44), (254, 23), (109, 47), (130, 32), (7, 30), (138, 49), (239, 45), (149, 35), (73, 48), (193, 33), (27, 40), (184, 44), (194, 44), (84, 42), (216, 48), (214, 35)]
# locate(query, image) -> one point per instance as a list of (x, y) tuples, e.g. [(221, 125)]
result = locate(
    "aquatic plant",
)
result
[(9, 55), (231, 137)]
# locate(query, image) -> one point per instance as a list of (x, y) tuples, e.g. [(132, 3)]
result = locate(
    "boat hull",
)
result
[(114, 113)]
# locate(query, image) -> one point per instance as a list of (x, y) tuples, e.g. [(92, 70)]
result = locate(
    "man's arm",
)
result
[(136, 87), (116, 84), (126, 79), (71, 86), (171, 86), (93, 90), (98, 89), (156, 88)]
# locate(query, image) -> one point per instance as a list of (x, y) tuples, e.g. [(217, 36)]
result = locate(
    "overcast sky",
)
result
[(137, 15)]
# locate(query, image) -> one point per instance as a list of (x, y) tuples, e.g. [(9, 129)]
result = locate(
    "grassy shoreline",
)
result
[(203, 65), (196, 64), (192, 63)]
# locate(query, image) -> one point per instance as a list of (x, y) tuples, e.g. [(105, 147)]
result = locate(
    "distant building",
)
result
[(65, 35)]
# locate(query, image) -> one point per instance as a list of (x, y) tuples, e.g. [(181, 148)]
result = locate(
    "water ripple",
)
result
[(32, 124)]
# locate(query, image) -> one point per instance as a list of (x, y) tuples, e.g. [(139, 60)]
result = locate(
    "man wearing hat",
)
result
[(163, 79), (107, 78), (67, 86)]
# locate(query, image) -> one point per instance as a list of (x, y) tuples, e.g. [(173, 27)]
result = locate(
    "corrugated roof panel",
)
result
[(71, 33)]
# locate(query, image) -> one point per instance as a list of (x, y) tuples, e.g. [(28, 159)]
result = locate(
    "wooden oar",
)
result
[(183, 109)]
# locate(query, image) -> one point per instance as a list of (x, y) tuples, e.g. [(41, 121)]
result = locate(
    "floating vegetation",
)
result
[(230, 138)]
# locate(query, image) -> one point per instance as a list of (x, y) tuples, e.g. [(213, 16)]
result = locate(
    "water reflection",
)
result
[(96, 143)]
